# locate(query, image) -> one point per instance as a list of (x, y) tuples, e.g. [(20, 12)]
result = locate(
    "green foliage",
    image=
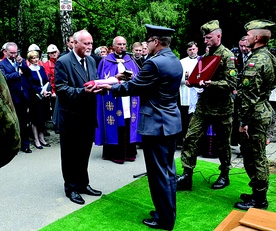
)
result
[(39, 22)]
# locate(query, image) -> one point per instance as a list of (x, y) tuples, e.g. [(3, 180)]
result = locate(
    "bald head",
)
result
[(83, 43), (119, 44)]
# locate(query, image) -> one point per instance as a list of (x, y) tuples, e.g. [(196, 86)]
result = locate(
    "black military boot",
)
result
[(222, 181), (246, 197), (258, 200), (184, 182)]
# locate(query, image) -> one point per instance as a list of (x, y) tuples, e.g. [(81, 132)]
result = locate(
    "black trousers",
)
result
[(161, 172), (75, 148)]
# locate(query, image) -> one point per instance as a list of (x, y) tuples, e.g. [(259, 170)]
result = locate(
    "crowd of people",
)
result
[(156, 105)]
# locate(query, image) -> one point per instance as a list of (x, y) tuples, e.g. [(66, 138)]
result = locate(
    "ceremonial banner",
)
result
[(204, 69)]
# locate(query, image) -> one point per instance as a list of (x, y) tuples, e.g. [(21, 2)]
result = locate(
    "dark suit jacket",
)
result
[(157, 84), (64, 52), (97, 59), (19, 85), (75, 107)]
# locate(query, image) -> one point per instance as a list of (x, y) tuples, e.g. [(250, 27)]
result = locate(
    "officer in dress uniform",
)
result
[(255, 112), (158, 84)]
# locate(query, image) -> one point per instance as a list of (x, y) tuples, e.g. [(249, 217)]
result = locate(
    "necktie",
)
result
[(14, 65), (84, 67), (82, 62)]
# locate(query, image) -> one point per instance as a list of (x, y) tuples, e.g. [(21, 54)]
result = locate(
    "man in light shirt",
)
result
[(188, 95)]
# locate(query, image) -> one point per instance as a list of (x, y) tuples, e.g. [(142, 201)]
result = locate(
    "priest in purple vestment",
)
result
[(117, 117)]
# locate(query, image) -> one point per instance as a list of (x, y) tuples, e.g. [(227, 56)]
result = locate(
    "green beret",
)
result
[(208, 27), (258, 24), (159, 31)]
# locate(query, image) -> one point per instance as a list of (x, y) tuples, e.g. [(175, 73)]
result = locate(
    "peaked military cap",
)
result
[(208, 27), (159, 31), (259, 24)]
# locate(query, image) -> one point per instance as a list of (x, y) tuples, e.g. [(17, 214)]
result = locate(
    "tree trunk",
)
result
[(66, 26)]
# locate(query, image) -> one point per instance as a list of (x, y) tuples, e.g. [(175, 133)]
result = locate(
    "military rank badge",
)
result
[(245, 82), (232, 73)]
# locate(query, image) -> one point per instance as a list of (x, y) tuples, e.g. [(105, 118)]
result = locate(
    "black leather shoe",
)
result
[(251, 204), (92, 192), (26, 150), (246, 197), (153, 223), (38, 147), (45, 145), (184, 182), (221, 183), (75, 197)]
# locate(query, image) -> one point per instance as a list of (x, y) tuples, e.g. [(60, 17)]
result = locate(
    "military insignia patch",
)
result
[(232, 72), (245, 82)]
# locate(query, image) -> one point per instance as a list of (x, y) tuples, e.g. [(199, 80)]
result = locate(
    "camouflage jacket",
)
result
[(216, 99), (9, 125), (257, 82)]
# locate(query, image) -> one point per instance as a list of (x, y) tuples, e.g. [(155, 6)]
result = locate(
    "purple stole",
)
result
[(110, 109)]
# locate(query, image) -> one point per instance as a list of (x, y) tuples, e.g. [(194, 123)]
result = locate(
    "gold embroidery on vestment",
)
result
[(110, 120), (133, 117), (119, 113), (109, 106)]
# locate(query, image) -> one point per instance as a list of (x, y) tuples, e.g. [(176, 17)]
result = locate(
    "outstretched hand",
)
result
[(90, 88), (104, 86)]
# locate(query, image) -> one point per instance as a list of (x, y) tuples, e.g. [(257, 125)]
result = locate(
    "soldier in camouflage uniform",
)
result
[(255, 112), (215, 106), (9, 125)]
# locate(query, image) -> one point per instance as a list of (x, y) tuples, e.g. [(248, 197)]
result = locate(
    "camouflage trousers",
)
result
[(198, 126), (253, 150)]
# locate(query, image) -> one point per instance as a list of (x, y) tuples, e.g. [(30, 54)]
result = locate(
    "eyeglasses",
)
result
[(151, 40), (12, 53), (52, 52)]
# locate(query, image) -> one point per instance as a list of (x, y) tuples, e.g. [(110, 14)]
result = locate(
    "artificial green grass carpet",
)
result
[(201, 209)]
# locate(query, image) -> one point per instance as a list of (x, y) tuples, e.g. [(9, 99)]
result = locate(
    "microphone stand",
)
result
[(140, 175)]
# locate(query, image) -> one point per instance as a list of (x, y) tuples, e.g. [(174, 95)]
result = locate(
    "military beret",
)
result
[(159, 31), (258, 24), (208, 27)]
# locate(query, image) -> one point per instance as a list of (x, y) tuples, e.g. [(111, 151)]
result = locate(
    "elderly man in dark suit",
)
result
[(76, 115), (17, 75), (158, 84)]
